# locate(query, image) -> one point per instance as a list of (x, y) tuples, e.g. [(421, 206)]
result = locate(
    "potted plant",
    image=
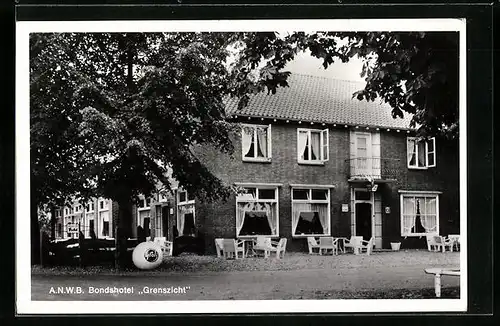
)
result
[(396, 243)]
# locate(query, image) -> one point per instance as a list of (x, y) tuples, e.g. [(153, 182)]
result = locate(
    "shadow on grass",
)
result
[(446, 293)]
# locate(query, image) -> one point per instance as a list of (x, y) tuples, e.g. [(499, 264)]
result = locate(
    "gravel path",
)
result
[(297, 276)]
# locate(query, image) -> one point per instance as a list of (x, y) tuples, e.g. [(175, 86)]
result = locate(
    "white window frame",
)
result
[(246, 199), (91, 207), (420, 194), (144, 202), (324, 146), (105, 205), (162, 198), (254, 137), (185, 203), (416, 140), (312, 201)]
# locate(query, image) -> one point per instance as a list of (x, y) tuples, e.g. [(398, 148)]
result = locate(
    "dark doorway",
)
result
[(364, 220), (147, 228), (164, 221)]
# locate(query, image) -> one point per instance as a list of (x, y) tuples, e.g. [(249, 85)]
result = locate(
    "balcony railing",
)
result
[(374, 167)]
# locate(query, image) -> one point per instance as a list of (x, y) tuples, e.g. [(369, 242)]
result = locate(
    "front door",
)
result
[(364, 220)]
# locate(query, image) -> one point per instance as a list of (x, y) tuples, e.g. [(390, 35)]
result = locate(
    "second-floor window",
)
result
[(256, 142), (421, 154), (312, 145)]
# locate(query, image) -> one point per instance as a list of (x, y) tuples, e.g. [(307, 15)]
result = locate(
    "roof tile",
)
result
[(320, 99)]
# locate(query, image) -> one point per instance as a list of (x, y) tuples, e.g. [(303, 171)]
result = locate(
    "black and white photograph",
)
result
[(241, 166)]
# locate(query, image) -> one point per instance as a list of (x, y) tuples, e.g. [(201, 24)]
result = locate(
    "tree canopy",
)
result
[(414, 72)]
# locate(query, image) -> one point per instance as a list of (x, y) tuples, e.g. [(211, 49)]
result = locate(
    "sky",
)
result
[(304, 63)]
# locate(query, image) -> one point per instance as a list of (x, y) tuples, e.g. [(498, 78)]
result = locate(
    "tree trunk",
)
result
[(35, 234), (52, 222), (123, 231)]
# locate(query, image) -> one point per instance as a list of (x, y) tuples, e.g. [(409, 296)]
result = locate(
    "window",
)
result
[(59, 230), (101, 204), (419, 214), (104, 219), (185, 214), (421, 153), (312, 146), (91, 227), (310, 211), (144, 203), (105, 228), (257, 212), (256, 143), (163, 197)]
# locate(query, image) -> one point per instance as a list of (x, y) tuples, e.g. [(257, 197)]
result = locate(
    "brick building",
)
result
[(314, 161), (99, 215)]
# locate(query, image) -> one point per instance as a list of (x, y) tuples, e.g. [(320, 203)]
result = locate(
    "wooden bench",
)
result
[(437, 276)]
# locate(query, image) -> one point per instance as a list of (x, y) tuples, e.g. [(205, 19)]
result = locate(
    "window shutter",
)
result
[(431, 152), (269, 142), (325, 145)]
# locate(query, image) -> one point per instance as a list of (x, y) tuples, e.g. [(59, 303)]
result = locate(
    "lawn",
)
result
[(387, 275)]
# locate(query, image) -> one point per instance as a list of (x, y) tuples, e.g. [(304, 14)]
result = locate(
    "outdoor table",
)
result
[(340, 240), (437, 276), (248, 246)]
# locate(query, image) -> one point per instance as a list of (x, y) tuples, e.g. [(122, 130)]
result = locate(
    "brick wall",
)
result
[(444, 177), (218, 219)]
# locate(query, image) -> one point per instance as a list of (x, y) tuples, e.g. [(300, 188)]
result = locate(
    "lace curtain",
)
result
[(411, 152), (302, 143), (429, 214), (322, 210), (246, 141), (262, 142), (409, 214), (269, 208), (240, 215), (315, 146), (297, 208), (421, 153), (182, 211)]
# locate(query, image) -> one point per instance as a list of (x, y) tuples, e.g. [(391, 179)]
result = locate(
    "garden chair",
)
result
[(441, 243), (431, 242), (279, 247), (232, 249), (218, 247), (262, 244), (366, 246), (326, 244), (455, 238), (354, 242), (312, 244), (169, 248), (166, 246)]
